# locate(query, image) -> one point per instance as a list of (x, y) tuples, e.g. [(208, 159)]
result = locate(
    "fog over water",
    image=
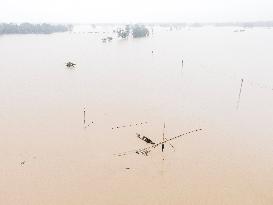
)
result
[(97, 11), (122, 82)]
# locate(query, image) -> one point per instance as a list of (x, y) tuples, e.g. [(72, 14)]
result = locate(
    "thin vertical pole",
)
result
[(240, 92), (162, 146), (182, 65), (84, 116)]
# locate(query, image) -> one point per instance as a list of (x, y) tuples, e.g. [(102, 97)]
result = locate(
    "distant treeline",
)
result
[(27, 28), (247, 24), (225, 24), (183, 24)]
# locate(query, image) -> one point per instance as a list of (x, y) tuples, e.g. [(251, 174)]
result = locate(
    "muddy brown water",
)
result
[(123, 82)]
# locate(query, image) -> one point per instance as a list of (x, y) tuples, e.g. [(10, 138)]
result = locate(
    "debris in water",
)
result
[(145, 139), (90, 124), (107, 39), (23, 162)]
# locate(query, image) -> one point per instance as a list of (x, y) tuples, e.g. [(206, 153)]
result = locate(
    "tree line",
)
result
[(27, 28)]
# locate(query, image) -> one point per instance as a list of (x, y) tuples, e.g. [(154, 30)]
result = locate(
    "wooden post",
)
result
[(162, 146), (240, 92), (84, 116)]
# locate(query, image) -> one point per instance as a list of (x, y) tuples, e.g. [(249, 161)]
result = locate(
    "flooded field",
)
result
[(48, 157)]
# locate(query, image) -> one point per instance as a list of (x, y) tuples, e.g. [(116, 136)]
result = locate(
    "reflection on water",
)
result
[(48, 157)]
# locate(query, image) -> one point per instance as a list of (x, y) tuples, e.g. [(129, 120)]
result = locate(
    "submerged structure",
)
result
[(70, 64)]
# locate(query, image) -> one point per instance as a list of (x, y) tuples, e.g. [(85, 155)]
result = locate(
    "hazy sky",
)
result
[(135, 11)]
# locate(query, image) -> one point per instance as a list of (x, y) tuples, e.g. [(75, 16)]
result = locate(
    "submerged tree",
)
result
[(137, 31), (124, 33), (140, 31)]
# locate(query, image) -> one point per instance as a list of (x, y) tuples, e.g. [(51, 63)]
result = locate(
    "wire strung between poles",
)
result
[(129, 125), (147, 150)]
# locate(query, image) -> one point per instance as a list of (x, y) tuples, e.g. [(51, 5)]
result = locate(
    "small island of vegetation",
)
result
[(137, 31), (140, 31)]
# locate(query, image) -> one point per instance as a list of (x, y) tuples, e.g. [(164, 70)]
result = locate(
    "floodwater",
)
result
[(48, 158)]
